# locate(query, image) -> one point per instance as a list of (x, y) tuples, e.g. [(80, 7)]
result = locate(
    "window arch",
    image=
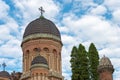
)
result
[(37, 76), (27, 57), (54, 51), (27, 52), (55, 58), (37, 49), (46, 49)]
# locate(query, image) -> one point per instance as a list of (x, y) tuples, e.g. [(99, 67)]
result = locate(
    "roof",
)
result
[(39, 60), (105, 61), (105, 64), (4, 74), (41, 25)]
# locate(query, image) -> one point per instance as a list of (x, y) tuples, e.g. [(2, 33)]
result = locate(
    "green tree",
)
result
[(93, 61), (83, 59), (73, 63), (79, 63)]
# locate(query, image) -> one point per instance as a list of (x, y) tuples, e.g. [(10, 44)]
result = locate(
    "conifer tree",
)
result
[(93, 61), (73, 63), (83, 59), (79, 63)]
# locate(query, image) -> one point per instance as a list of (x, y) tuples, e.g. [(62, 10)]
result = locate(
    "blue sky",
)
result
[(79, 21)]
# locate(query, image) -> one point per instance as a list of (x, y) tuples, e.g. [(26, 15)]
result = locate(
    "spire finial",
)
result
[(4, 65), (41, 10)]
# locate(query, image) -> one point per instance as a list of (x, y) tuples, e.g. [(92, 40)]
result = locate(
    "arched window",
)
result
[(41, 76), (54, 51), (27, 56), (37, 76), (55, 59), (27, 53), (36, 50), (46, 49)]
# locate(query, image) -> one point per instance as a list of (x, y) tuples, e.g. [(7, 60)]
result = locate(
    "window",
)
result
[(37, 49), (46, 49), (54, 51)]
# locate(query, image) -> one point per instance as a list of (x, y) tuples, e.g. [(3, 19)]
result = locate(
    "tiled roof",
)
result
[(4, 74), (41, 25), (39, 60)]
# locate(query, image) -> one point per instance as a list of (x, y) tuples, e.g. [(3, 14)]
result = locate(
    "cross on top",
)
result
[(4, 65), (41, 11)]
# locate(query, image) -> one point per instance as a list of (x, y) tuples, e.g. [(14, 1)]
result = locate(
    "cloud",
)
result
[(99, 10), (96, 29), (29, 9), (10, 50), (112, 4), (88, 25), (3, 9), (11, 64), (116, 16)]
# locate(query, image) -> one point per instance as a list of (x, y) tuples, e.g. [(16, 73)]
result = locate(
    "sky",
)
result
[(79, 21)]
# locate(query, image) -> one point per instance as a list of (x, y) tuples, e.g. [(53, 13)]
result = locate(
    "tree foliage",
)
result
[(93, 61), (79, 63), (84, 64), (73, 62)]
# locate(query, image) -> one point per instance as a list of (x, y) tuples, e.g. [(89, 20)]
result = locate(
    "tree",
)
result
[(93, 61), (73, 62), (79, 63), (83, 59), (84, 64)]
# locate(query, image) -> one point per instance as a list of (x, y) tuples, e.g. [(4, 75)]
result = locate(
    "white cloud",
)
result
[(112, 4), (67, 39), (99, 10), (10, 48), (11, 64), (3, 9), (29, 9), (85, 29), (94, 29), (116, 16)]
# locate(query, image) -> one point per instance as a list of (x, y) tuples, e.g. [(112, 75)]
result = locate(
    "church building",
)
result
[(41, 47)]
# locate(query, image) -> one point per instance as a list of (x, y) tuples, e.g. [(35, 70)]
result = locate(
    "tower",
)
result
[(105, 69), (41, 48), (4, 75)]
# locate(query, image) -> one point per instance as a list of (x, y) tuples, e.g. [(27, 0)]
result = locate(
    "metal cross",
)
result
[(41, 11), (4, 65)]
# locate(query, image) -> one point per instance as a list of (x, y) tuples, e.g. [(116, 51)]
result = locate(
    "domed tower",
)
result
[(39, 68), (4, 75), (42, 37), (105, 69)]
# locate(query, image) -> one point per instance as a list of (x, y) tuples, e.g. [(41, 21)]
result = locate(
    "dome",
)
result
[(41, 25), (105, 61), (105, 64), (4, 74), (39, 60)]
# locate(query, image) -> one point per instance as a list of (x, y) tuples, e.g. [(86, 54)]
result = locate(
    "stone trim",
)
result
[(39, 65), (41, 35), (55, 74), (106, 67)]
